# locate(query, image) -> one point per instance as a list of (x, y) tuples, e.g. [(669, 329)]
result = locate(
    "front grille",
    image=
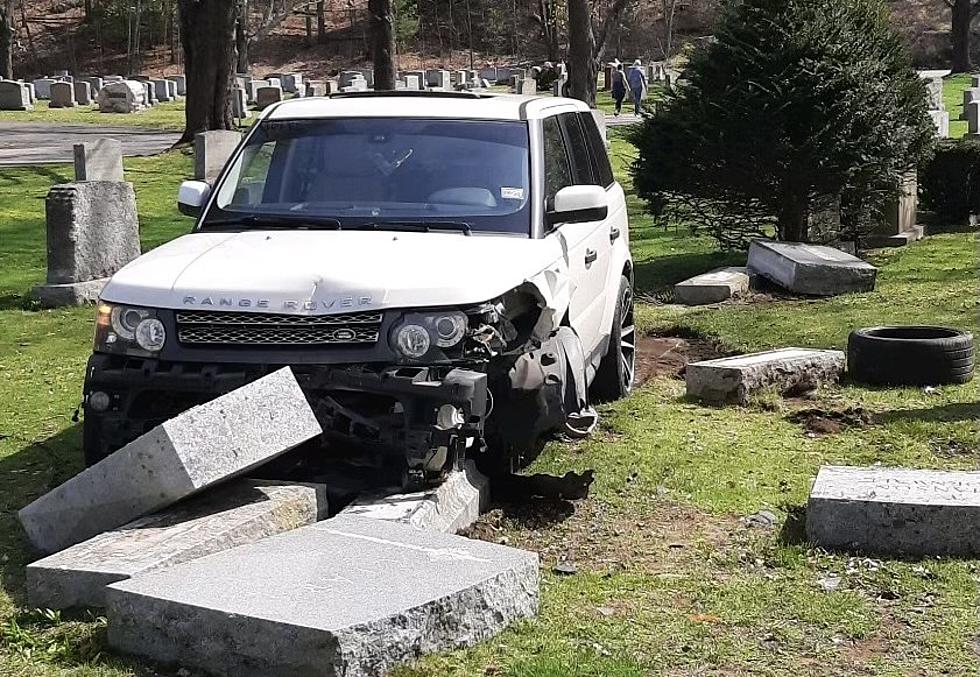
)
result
[(204, 327)]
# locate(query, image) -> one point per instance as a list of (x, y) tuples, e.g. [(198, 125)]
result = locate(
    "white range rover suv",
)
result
[(447, 274)]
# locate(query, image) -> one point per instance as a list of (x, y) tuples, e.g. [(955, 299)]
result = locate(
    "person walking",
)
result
[(637, 81), (620, 87)]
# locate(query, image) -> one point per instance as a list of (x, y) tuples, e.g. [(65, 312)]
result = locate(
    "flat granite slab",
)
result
[(349, 596), (811, 269), (715, 286), (895, 511), (788, 370), (453, 505), (240, 512), (225, 437)]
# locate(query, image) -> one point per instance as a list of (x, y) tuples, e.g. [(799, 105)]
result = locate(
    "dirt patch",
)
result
[(668, 356), (821, 422)]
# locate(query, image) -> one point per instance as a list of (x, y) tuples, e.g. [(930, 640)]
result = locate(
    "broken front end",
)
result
[(416, 390)]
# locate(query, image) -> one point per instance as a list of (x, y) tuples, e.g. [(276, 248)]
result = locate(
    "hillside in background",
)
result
[(52, 35)]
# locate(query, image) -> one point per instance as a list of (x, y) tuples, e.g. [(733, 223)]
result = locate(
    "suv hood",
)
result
[(323, 272)]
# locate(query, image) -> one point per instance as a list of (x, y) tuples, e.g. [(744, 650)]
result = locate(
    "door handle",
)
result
[(613, 234), (590, 256)]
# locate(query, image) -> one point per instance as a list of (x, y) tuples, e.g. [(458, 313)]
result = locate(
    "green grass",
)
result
[(168, 116), (670, 580), (953, 88)]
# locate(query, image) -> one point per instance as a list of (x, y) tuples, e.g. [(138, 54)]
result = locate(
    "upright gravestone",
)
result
[(149, 93), (161, 91), (42, 87), (346, 77), (122, 96), (14, 96), (252, 89), (92, 232), (62, 95), (211, 152), (172, 90), (973, 117), (293, 83), (83, 92), (239, 104), (899, 223), (181, 82), (969, 96), (412, 83), (268, 95), (95, 83), (99, 160)]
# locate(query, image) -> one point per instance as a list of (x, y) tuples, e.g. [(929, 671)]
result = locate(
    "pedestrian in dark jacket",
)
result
[(620, 87)]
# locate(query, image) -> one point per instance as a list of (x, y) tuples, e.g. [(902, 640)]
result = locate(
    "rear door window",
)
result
[(603, 170), (579, 150), (557, 169)]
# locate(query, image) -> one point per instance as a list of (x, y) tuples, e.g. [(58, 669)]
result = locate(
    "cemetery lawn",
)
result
[(670, 580), (168, 116)]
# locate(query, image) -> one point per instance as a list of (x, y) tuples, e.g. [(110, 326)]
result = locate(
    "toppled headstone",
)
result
[(14, 96), (895, 511), (811, 269), (92, 232), (122, 96), (241, 512), (453, 505), (62, 95), (716, 286), (347, 597), (788, 370), (99, 160), (212, 150), (212, 442)]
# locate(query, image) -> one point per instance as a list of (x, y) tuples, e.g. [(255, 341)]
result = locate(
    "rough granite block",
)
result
[(891, 511), (453, 505), (811, 269), (69, 293), (350, 596), (241, 512), (734, 379), (716, 286), (223, 438)]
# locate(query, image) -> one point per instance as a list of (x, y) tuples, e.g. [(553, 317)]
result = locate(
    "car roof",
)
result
[(402, 104)]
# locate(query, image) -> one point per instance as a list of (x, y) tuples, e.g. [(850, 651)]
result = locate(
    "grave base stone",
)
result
[(221, 439), (712, 287), (348, 597), (453, 505), (892, 511), (238, 513), (788, 370), (811, 269), (68, 294)]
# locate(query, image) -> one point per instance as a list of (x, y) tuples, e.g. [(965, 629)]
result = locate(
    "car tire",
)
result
[(614, 378), (910, 356)]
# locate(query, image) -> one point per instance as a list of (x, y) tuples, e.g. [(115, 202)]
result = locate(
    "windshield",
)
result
[(468, 175)]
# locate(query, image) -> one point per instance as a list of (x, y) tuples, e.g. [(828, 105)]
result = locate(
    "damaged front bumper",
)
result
[(427, 417)]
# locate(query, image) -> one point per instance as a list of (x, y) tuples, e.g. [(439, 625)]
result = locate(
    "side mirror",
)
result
[(578, 204), (192, 196)]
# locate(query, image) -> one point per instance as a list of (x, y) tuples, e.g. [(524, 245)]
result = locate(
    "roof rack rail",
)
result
[(410, 93)]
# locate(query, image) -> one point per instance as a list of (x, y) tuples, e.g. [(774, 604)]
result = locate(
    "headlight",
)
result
[(419, 332), (129, 330)]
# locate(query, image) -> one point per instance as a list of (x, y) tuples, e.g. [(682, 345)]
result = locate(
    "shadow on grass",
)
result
[(793, 531), (946, 413), (657, 274)]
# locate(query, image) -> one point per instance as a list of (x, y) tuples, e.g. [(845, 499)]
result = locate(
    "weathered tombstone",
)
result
[(14, 96), (347, 596), (462, 78), (252, 89), (172, 90), (160, 90), (489, 73), (811, 269), (975, 81), (275, 82), (95, 83), (412, 82), (973, 117), (83, 93), (368, 75), (438, 79), (92, 232), (529, 87), (788, 370), (895, 511), (899, 224), (240, 512), (42, 87), (268, 95), (201, 447), (712, 287), (113, 78), (212, 150), (969, 96), (940, 118), (62, 95), (293, 83), (346, 77), (149, 93), (99, 160), (181, 82), (30, 91), (934, 90), (315, 88), (122, 96), (239, 104)]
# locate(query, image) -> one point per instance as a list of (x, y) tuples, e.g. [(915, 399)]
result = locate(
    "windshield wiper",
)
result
[(291, 221), (419, 226)]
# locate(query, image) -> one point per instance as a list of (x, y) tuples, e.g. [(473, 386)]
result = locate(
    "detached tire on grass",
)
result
[(912, 355)]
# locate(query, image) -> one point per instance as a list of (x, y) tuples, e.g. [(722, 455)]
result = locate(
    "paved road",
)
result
[(24, 143)]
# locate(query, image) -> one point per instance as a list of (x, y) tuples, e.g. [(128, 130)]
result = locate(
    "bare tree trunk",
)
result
[(382, 43), (321, 23), (241, 38), (793, 221), (308, 17), (962, 18), (582, 68), (207, 29), (7, 40)]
